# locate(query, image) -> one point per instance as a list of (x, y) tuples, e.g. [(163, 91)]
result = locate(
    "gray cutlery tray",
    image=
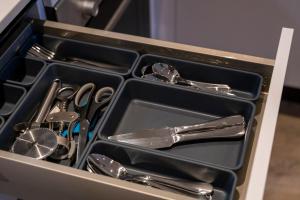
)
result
[(142, 105), (22, 71), (115, 60), (245, 85), (138, 160), (70, 75), (10, 97)]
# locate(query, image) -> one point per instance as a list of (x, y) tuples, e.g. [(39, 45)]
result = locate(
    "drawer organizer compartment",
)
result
[(143, 105), (245, 85), (22, 71), (63, 109), (84, 54), (139, 161), (10, 96)]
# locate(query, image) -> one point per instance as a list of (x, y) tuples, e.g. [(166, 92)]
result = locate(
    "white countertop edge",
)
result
[(13, 9), (259, 171)]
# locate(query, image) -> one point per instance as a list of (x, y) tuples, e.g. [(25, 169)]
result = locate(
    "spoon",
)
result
[(116, 170), (173, 77), (155, 77)]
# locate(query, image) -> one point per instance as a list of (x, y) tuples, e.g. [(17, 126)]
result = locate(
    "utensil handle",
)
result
[(228, 132), (82, 138), (198, 188), (47, 102), (92, 63), (215, 124), (223, 88)]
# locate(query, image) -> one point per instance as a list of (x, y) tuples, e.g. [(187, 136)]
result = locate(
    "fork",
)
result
[(37, 50)]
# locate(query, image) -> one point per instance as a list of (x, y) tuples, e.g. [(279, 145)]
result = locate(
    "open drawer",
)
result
[(27, 178)]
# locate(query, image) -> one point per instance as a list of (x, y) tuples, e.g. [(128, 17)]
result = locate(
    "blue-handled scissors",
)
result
[(88, 106)]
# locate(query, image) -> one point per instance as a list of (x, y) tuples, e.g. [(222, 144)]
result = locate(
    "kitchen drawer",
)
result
[(61, 182)]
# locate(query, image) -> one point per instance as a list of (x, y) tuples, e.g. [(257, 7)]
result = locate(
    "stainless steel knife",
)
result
[(220, 123), (166, 137)]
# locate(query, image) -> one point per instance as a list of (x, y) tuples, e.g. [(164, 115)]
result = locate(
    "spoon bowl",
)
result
[(172, 76)]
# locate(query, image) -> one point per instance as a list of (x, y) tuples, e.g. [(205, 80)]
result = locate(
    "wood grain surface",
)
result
[(284, 171)]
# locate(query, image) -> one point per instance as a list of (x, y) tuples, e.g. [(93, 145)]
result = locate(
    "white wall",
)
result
[(244, 26)]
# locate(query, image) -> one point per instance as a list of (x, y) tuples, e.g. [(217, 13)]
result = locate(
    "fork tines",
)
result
[(39, 51)]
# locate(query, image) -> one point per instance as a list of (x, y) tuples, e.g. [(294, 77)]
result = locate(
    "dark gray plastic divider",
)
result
[(140, 160), (10, 97), (246, 85), (22, 71), (71, 75), (116, 60), (142, 105), (2, 121)]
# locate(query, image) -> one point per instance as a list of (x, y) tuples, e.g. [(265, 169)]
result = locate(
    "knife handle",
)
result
[(215, 124), (192, 187), (228, 132)]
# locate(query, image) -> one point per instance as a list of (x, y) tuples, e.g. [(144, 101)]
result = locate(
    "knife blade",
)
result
[(214, 124), (167, 137)]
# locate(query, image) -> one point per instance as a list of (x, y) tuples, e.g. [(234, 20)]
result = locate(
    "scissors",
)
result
[(88, 107)]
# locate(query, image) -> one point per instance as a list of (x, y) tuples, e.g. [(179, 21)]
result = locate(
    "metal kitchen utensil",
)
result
[(228, 127), (88, 108), (155, 77), (167, 138), (169, 74), (98, 162), (234, 120), (64, 118), (39, 51), (60, 114), (39, 142), (64, 96), (48, 100)]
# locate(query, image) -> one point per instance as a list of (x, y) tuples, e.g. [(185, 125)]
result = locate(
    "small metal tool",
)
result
[(37, 50), (228, 127), (108, 166), (38, 142), (59, 114), (168, 74)]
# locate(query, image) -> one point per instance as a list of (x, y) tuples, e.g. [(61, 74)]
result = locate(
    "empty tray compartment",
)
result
[(70, 75), (245, 85), (2, 121), (142, 161), (22, 71), (10, 96), (144, 105), (95, 56)]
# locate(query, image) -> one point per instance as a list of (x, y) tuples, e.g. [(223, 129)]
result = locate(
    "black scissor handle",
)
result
[(104, 95), (83, 98), (102, 98)]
